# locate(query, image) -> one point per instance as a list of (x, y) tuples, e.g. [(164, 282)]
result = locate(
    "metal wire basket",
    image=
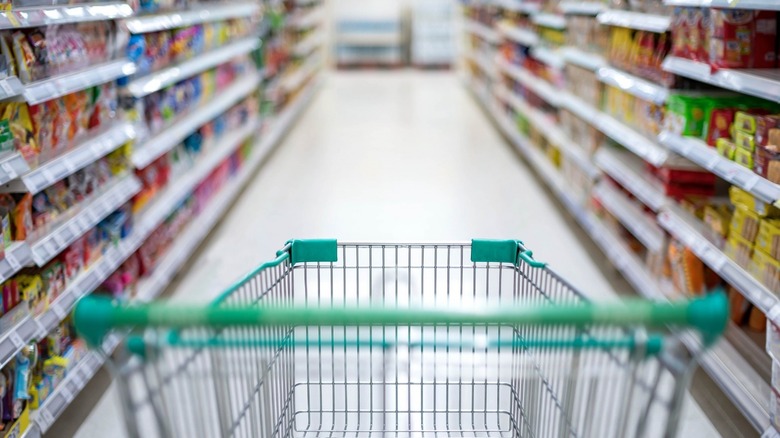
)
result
[(343, 339)]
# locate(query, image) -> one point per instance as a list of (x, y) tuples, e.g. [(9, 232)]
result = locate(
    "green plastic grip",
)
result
[(502, 251), (94, 317)]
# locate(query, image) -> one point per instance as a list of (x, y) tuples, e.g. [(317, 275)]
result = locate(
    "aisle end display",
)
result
[(126, 133), (657, 125)]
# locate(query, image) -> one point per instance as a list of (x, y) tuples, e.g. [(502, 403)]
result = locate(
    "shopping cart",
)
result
[(415, 340)]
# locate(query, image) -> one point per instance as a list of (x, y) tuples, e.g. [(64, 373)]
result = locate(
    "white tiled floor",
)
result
[(389, 156)]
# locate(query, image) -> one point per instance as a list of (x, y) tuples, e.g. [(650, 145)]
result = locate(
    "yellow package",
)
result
[(745, 199), (766, 270), (768, 238), (687, 270), (726, 148), (745, 223), (745, 141), (718, 218), (739, 250), (743, 157), (745, 122)]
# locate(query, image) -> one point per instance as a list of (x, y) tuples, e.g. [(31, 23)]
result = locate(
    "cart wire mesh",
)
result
[(447, 379)]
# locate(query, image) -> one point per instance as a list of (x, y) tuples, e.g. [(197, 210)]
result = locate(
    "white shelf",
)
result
[(764, 5), (589, 61), (89, 215), (707, 157), (17, 337), (635, 20), (89, 151), (164, 141), (693, 234), (627, 170), (196, 231), (553, 21), (641, 225), (73, 383), (538, 86), (518, 6), (12, 166), (51, 15), (164, 204), (58, 86), (484, 64), (293, 81), (552, 58), (640, 145), (10, 87), (526, 37), (158, 80), (308, 19), (763, 83), (633, 85), (17, 256), (581, 7), (309, 44), (482, 31), (204, 14), (553, 134)]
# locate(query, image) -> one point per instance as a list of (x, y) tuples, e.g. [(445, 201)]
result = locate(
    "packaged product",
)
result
[(685, 115), (746, 122), (31, 287), (718, 219), (53, 276), (40, 66), (745, 223), (726, 148), (739, 249), (25, 57), (757, 321), (11, 295), (744, 157), (21, 126), (744, 140), (744, 199), (739, 307), (766, 270), (768, 238), (767, 162), (720, 125), (687, 269), (764, 124), (743, 38)]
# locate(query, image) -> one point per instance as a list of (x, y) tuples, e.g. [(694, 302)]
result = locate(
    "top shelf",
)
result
[(761, 83), (518, 6), (46, 15), (581, 8), (549, 20), (204, 14), (635, 20), (767, 5)]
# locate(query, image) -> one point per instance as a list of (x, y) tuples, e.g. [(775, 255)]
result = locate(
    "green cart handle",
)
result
[(94, 316)]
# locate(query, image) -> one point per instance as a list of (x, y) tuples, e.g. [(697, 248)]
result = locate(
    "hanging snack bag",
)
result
[(743, 38)]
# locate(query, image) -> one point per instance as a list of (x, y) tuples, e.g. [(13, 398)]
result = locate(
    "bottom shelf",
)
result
[(748, 390), (153, 286)]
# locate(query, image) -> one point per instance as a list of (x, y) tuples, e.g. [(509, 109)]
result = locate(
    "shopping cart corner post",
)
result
[(503, 251), (313, 250)]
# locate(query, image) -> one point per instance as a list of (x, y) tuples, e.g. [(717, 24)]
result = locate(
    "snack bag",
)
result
[(25, 57), (18, 116), (743, 38)]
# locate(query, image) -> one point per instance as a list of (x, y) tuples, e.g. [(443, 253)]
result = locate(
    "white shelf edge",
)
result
[(538, 86), (90, 150), (309, 44), (551, 58), (646, 191), (309, 19), (293, 81), (17, 256), (639, 224), (519, 35), (633, 85), (484, 64), (553, 134), (204, 14), (162, 142), (684, 230), (98, 208), (155, 81), (482, 31), (581, 7), (707, 157), (518, 6), (638, 144), (58, 86), (763, 83), (578, 57), (765, 5), (553, 21), (635, 20), (61, 14)]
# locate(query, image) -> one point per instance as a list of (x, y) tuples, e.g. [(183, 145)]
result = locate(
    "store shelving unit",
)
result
[(19, 327), (650, 215)]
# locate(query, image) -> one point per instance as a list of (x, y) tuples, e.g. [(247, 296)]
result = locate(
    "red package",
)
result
[(680, 191), (720, 124), (763, 125), (10, 295), (695, 33), (680, 31), (685, 176), (743, 38)]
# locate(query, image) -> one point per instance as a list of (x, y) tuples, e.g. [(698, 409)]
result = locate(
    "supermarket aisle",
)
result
[(402, 156)]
